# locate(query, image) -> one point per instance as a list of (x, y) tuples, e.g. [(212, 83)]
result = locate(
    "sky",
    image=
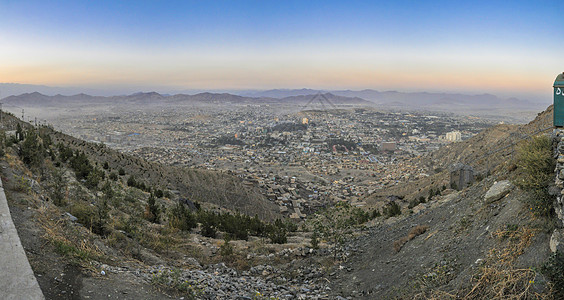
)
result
[(512, 48)]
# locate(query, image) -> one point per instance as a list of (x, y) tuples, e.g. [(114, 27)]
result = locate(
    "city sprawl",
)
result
[(300, 158)]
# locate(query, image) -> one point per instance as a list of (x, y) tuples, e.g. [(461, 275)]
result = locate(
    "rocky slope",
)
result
[(466, 232)]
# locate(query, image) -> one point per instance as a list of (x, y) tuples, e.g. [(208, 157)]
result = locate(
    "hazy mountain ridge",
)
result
[(511, 110), (37, 99), (412, 99), (12, 89)]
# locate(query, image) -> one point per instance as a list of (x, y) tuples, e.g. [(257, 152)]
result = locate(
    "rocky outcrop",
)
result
[(557, 241), (558, 138)]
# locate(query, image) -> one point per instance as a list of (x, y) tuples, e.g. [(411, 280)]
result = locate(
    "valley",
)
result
[(262, 201)]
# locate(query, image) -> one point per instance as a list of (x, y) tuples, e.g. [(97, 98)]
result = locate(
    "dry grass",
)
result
[(498, 278), (398, 244), (67, 239), (417, 231), (413, 233)]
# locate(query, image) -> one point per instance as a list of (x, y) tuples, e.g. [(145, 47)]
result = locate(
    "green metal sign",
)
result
[(559, 101)]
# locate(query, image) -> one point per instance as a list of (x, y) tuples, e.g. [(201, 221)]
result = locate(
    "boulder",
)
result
[(557, 241), (498, 191)]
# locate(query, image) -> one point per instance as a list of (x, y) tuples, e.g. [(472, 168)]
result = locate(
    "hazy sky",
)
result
[(508, 47)]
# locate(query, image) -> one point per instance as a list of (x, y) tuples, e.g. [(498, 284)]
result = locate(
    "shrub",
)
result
[(152, 210), (226, 249), (131, 181), (93, 178), (207, 219), (417, 230), (182, 218), (58, 187), (413, 203), (315, 240), (84, 213), (32, 151), (398, 244), (376, 213), (277, 232), (536, 164), (413, 233), (391, 209)]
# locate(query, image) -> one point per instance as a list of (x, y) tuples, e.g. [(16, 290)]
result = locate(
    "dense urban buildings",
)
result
[(301, 160)]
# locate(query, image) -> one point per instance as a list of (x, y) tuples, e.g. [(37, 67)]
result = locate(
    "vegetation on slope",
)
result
[(535, 166)]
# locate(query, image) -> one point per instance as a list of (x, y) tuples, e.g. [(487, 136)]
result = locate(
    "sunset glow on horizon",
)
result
[(479, 46)]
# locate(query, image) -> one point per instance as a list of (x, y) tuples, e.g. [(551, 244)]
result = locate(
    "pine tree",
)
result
[(152, 210)]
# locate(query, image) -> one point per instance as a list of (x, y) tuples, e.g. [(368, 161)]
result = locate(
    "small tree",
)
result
[(277, 232), (335, 225), (152, 210), (58, 187), (226, 249), (99, 225), (315, 240), (108, 191), (391, 209), (31, 151), (180, 217), (93, 179), (131, 181), (209, 226)]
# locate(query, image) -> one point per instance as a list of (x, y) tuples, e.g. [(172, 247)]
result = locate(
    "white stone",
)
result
[(498, 191)]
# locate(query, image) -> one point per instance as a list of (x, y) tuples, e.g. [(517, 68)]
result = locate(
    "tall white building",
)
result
[(453, 136)]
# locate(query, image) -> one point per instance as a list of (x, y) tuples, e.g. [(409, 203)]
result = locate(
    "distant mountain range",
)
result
[(12, 89), (36, 99), (420, 100), (482, 104)]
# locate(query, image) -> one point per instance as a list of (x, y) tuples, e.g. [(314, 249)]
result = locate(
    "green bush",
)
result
[(84, 213), (32, 150), (376, 213), (315, 240), (182, 218), (277, 232), (535, 173), (58, 187), (152, 210), (113, 176), (391, 209), (226, 249)]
